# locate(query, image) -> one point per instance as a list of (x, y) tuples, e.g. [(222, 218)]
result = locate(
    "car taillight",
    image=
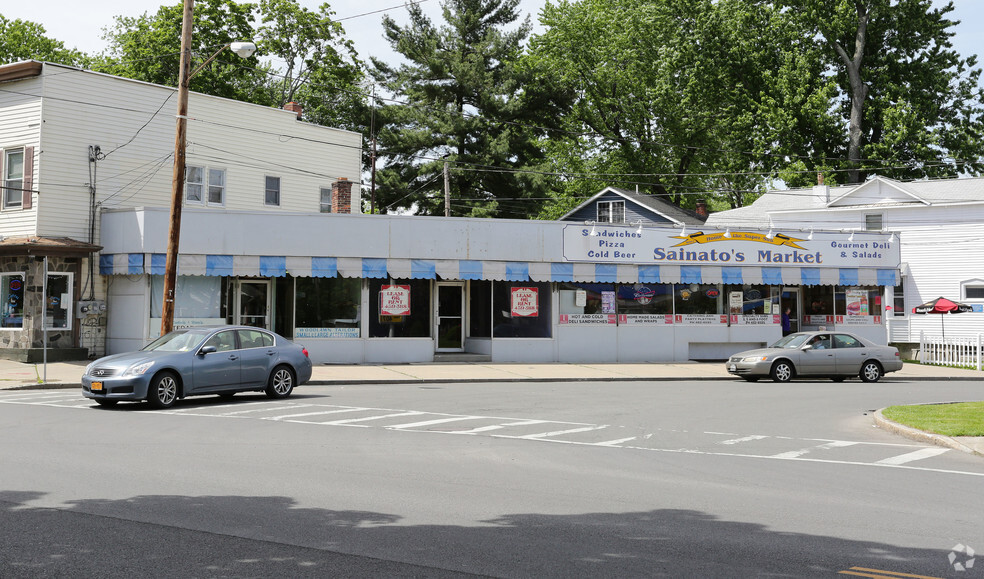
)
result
[(305, 352)]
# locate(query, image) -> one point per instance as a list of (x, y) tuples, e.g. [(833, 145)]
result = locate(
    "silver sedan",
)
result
[(836, 355), (219, 360)]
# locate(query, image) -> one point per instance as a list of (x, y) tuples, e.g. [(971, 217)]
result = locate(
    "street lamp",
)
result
[(243, 49)]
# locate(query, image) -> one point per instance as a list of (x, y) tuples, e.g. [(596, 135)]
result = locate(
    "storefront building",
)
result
[(388, 289)]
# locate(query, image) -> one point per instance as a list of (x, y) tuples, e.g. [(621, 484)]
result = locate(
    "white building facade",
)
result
[(936, 225)]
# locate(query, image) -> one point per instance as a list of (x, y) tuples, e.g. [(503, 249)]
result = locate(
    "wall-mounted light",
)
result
[(892, 238), (851, 238), (810, 236), (683, 232), (727, 233), (594, 232), (639, 230)]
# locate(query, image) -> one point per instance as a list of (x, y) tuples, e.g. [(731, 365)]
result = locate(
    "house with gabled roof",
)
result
[(937, 224), (615, 205)]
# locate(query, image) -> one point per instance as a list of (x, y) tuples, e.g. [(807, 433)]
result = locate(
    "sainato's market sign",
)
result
[(654, 246)]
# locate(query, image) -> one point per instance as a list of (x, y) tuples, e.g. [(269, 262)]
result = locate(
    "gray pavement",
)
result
[(19, 375)]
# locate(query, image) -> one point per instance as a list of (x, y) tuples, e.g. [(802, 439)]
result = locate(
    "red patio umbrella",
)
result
[(942, 306)]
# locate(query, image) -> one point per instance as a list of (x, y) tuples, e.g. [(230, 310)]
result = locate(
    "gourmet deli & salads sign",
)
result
[(630, 245)]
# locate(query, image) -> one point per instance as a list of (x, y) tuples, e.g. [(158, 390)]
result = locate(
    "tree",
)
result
[(461, 98), (912, 105), (26, 40), (148, 48), (677, 97)]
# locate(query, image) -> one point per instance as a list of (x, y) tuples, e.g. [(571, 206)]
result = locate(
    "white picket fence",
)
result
[(965, 352)]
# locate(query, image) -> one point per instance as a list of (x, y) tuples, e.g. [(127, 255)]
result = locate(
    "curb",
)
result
[(920, 435)]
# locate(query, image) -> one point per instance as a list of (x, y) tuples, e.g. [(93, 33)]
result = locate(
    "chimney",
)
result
[(294, 108), (341, 196), (701, 209)]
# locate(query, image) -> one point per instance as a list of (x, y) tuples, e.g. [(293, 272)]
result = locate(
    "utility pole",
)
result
[(447, 191), (178, 175)]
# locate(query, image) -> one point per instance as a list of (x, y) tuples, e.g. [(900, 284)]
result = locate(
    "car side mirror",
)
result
[(208, 350)]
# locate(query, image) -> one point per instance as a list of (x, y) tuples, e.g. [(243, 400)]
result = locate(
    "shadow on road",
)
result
[(244, 536)]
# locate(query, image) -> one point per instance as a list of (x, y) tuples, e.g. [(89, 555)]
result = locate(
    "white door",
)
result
[(449, 317)]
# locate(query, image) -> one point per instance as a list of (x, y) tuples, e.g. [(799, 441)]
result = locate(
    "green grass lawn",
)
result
[(958, 419)]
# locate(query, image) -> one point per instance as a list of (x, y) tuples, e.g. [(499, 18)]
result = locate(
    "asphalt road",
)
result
[(674, 479)]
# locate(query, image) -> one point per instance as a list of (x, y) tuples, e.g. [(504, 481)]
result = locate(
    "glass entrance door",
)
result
[(791, 300), (253, 303), (450, 318)]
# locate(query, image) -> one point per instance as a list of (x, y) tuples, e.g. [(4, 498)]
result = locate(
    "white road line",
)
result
[(498, 427), (267, 408), (913, 456), (802, 451), (615, 442), (290, 416), (432, 422), (554, 433), (743, 439), (368, 418)]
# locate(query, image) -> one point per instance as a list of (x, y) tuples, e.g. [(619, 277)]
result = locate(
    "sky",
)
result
[(79, 25)]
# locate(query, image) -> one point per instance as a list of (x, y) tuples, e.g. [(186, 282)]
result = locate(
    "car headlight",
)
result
[(88, 369), (138, 369), (753, 359)]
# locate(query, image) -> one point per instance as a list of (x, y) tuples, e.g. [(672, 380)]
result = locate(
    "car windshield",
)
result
[(177, 341), (791, 341)]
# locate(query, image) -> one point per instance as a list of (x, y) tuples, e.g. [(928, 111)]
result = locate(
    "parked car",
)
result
[(836, 355), (219, 360)]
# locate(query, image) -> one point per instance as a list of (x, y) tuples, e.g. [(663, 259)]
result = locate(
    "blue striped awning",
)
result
[(887, 277), (848, 276), (606, 273), (772, 275), (731, 275), (691, 274), (649, 274), (809, 276), (516, 271), (561, 272), (324, 267), (220, 265)]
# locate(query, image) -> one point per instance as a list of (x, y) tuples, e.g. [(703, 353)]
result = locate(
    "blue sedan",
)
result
[(219, 360)]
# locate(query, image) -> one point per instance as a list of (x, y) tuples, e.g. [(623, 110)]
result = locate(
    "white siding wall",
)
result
[(20, 126), (248, 141)]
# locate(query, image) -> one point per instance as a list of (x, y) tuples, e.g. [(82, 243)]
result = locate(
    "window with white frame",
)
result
[(12, 301), (13, 178), (272, 196), (611, 212), (205, 192), (898, 300), (973, 291), (326, 199), (874, 222)]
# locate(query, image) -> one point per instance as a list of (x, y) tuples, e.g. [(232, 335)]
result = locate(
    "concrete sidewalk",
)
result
[(17, 375)]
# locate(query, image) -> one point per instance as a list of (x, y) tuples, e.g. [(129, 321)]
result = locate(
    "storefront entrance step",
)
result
[(460, 358)]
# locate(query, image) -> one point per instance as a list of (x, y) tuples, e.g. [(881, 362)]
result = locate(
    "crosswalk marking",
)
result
[(369, 418), (616, 442), (318, 413), (432, 422), (558, 432), (915, 455), (499, 426), (802, 451), (744, 439)]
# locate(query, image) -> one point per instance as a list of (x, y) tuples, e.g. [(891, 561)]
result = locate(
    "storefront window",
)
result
[(818, 305), (58, 301), (327, 307), (12, 300), (698, 299), (195, 297), (521, 310), (752, 304), (645, 303), (400, 310), (480, 309), (858, 305), (586, 303)]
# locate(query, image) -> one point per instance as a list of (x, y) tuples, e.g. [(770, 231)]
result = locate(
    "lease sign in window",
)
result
[(525, 302), (394, 300)]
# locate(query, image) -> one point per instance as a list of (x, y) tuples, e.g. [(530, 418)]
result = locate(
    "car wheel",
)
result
[(782, 371), (870, 372), (163, 391), (106, 403), (281, 382)]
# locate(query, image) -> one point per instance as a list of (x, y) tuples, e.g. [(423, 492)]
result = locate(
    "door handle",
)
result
[(233, 357), (270, 352)]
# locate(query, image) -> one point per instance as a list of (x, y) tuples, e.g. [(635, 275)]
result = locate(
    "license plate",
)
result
[(96, 386), (732, 368)]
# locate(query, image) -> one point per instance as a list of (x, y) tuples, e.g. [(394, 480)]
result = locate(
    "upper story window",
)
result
[(326, 199), (272, 196), (202, 191), (13, 178), (874, 222), (974, 292), (611, 211)]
